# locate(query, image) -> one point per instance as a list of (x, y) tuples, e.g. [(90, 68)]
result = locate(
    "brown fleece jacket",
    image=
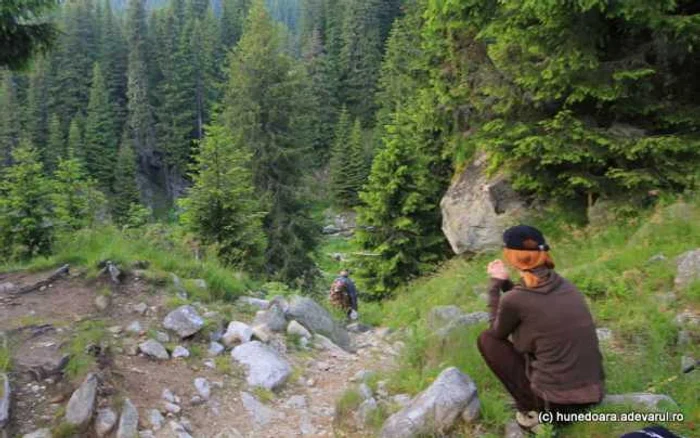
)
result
[(552, 326)]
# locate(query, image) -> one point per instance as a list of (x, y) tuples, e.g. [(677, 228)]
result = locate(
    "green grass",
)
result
[(160, 245), (86, 333), (65, 430), (5, 356), (611, 266), (263, 394)]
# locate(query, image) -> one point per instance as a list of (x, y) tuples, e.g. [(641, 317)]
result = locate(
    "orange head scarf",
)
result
[(525, 261)]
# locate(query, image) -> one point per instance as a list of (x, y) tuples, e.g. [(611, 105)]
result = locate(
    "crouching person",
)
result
[(542, 343)]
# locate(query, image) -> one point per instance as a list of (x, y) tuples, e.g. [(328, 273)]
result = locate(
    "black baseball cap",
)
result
[(524, 238)]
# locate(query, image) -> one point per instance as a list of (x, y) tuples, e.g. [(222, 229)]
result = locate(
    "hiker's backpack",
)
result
[(338, 295)]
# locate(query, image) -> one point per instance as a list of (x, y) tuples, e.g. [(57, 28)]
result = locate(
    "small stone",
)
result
[(128, 421), (180, 351), (141, 308), (115, 329), (656, 258), (687, 362), (310, 383), (683, 337), (296, 329), (154, 349), (262, 333), (365, 391), (215, 349), (162, 337), (366, 409), (296, 402), (203, 387), (102, 302), (306, 427), (172, 408), (209, 363), (81, 405), (362, 376), (237, 333), (168, 395), (196, 400), (604, 334), (513, 431), (184, 320), (146, 434), (187, 424), (131, 348), (260, 413), (134, 327), (156, 419), (40, 433), (105, 422), (401, 399)]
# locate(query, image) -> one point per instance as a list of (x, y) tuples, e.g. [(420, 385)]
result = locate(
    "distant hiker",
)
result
[(344, 295), (553, 362)]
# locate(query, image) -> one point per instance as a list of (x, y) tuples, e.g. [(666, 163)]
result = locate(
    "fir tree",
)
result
[(75, 198), (222, 207), (75, 140), (233, 14), (126, 191), (360, 58), (325, 101), (100, 133), (37, 110), (113, 55), (24, 30), (140, 119), (266, 106), (9, 120), (25, 206), (400, 219), (56, 145)]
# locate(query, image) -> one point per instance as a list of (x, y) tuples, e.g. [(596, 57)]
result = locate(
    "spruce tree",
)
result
[(9, 120), (266, 107), (56, 145), (233, 15), (126, 191), (75, 140), (348, 164), (222, 207), (323, 75), (140, 123), (37, 110), (400, 219), (360, 58), (100, 133), (75, 198), (25, 206), (113, 53), (24, 30)]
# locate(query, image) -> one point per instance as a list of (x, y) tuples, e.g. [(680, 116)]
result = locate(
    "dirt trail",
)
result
[(41, 326)]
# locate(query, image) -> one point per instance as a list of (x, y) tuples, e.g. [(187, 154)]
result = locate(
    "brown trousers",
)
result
[(510, 368)]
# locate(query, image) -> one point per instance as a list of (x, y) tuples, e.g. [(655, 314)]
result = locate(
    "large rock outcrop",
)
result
[(436, 410), (477, 208), (264, 366), (315, 318)]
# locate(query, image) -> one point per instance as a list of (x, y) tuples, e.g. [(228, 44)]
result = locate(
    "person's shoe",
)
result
[(527, 420)]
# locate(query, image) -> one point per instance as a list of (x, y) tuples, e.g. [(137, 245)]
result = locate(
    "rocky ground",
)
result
[(119, 356)]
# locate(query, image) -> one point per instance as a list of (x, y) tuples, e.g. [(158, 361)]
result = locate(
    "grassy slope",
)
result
[(611, 267), (158, 245)]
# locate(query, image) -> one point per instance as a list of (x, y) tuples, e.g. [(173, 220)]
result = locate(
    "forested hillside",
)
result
[(366, 105)]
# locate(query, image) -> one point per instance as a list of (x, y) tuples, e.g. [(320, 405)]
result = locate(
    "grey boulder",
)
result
[(255, 302), (477, 208), (446, 320), (105, 422), (318, 320), (129, 421), (237, 333), (40, 433), (185, 321), (436, 410), (688, 268), (259, 413), (81, 405), (5, 400), (154, 349), (264, 366), (296, 329)]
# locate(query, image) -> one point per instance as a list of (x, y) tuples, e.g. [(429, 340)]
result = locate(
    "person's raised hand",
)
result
[(497, 269)]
